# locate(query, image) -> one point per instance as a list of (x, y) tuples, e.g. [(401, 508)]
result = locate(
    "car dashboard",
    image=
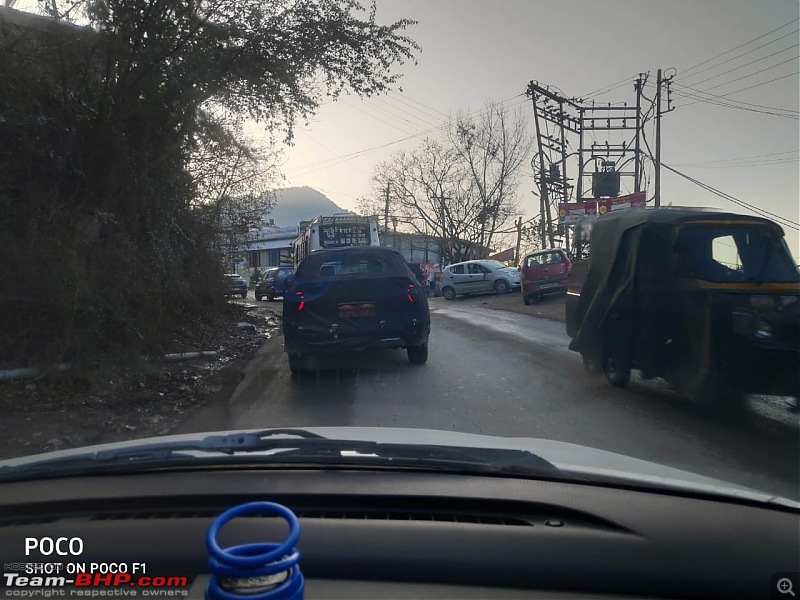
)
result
[(410, 534)]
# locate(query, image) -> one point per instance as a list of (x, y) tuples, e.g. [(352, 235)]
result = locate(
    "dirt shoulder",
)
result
[(549, 307), (133, 397)]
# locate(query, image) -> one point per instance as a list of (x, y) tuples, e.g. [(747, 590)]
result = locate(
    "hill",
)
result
[(297, 204)]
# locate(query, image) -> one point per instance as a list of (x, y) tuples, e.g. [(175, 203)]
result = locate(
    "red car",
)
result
[(544, 272)]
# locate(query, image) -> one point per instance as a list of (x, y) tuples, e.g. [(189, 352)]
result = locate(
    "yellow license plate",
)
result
[(351, 311)]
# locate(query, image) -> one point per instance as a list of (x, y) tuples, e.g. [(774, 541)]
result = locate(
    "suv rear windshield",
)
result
[(353, 266), (351, 263)]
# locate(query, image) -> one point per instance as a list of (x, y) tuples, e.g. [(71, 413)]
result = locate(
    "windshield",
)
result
[(230, 215), (735, 254)]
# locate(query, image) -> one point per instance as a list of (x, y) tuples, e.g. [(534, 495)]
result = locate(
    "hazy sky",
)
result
[(473, 51), (479, 50)]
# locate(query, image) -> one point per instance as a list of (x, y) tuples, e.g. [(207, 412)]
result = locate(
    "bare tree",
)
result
[(462, 189), (492, 149)]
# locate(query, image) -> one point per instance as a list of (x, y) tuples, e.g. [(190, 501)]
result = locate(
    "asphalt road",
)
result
[(507, 374)]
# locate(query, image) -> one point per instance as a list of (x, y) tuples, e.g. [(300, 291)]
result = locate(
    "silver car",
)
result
[(475, 276)]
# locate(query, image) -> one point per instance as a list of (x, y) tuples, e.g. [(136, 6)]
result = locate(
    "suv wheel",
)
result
[(270, 296), (258, 297), (501, 286), (418, 355), (449, 293), (244, 294)]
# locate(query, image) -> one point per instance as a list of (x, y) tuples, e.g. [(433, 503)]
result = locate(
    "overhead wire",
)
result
[(698, 98), (748, 87), (324, 164), (762, 212), (752, 62), (424, 120), (700, 64), (713, 87), (734, 101), (738, 159), (385, 122), (745, 53), (608, 88), (403, 96), (765, 163)]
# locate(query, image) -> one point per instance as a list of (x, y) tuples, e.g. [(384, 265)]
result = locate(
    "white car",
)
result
[(474, 276)]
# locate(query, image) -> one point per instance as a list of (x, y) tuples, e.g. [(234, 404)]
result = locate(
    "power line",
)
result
[(403, 97), (316, 141), (713, 87), (603, 89), (362, 110), (424, 120), (748, 87), (777, 161), (750, 63), (392, 115), (729, 160), (729, 104), (300, 170), (744, 53), (740, 46), (742, 203), (715, 96)]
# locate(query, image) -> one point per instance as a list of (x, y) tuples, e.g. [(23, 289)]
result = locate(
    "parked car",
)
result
[(274, 283), (544, 272), (478, 276), (237, 285), (358, 298)]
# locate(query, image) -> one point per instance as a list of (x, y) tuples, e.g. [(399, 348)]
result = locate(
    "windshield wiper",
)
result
[(286, 446)]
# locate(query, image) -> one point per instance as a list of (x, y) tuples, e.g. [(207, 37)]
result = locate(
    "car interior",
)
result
[(368, 533)]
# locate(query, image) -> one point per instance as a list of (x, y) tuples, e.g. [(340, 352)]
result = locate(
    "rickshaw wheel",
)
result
[(591, 366), (616, 372)]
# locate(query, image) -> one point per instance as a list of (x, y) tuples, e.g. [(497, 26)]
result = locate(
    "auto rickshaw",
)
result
[(708, 301)]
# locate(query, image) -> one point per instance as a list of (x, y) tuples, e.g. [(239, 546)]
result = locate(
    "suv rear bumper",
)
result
[(317, 343)]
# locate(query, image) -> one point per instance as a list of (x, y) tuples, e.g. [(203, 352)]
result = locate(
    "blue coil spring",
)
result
[(258, 571)]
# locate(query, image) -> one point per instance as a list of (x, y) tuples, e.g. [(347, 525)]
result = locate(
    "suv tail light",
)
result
[(302, 298), (411, 292)]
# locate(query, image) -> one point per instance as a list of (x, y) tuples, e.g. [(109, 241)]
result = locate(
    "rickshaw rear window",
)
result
[(734, 254)]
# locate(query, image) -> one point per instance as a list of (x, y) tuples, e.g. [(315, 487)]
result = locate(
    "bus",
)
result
[(336, 231)]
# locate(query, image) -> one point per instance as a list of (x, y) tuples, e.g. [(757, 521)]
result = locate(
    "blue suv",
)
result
[(274, 283)]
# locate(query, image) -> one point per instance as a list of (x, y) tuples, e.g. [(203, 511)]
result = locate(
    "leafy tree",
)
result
[(104, 129)]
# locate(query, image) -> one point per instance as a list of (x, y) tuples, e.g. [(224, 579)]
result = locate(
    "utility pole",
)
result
[(658, 141), (637, 183), (386, 209), (519, 240)]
